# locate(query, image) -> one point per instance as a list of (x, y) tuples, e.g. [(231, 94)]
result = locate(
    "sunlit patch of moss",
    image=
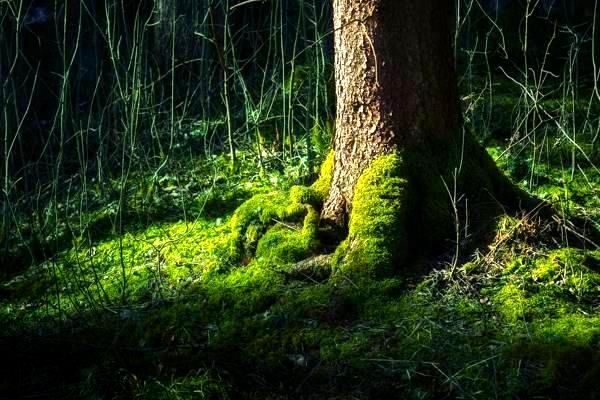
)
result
[(574, 330), (548, 287), (565, 274), (157, 262), (271, 218), (517, 305), (284, 244), (323, 183), (244, 291), (162, 257), (568, 270), (498, 154), (199, 245), (376, 238), (252, 219), (316, 193), (305, 195), (163, 260), (512, 303)]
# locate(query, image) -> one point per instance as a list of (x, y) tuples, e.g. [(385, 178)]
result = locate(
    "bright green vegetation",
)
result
[(202, 305), (376, 239)]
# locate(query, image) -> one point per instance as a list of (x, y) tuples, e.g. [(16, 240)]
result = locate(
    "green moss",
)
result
[(265, 223), (376, 240), (316, 194), (556, 170), (551, 286), (550, 301), (567, 270), (243, 291), (350, 347), (312, 302), (223, 291), (165, 260), (323, 183), (284, 244), (251, 220), (254, 217), (512, 303), (160, 261), (305, 195), (563, 353), (571, 330)]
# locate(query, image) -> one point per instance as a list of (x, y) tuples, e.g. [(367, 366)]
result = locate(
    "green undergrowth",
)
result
[(571, 185), (189, 388), (550, 148), (181, 189), (218, 306), (550, 305), (273, 229)]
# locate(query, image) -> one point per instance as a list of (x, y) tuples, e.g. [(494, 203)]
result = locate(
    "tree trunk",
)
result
[(407, 180), (395, 85)]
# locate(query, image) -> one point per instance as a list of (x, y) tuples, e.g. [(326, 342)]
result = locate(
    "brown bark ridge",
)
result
[(395, 86)]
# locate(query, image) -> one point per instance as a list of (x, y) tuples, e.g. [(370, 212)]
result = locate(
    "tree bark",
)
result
[(395, 85)]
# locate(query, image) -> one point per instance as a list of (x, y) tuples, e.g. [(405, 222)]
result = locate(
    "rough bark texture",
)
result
[(395, 86)]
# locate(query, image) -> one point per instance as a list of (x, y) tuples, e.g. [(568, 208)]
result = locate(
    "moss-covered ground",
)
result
[(239, 297)]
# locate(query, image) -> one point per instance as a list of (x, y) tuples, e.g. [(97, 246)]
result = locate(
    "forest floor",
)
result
[(199, 295)]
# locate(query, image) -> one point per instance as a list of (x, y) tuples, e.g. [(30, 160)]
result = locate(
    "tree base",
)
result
[(408, 206), (423, 201)]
